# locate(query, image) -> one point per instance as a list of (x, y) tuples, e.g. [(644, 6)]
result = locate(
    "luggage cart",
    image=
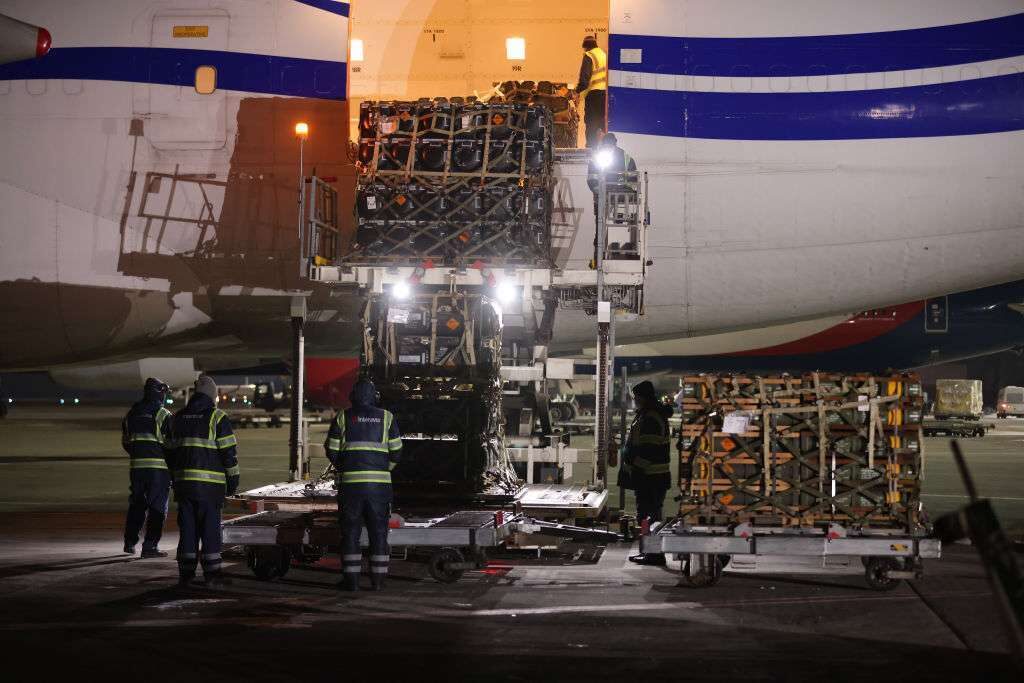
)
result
[(451, 543), (887, 555)]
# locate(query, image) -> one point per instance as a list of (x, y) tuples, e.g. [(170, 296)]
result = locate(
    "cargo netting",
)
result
[(457, 183), (802, 450), (557, 97)]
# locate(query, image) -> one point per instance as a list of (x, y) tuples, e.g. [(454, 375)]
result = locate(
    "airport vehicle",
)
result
[(449, 544), (954, 426), (450, 332), (164, 230), (1010, 402)]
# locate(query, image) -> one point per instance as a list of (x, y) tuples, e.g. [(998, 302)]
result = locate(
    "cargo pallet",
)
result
[(844, 449), (888, 556), (956, 427), (449, 544)]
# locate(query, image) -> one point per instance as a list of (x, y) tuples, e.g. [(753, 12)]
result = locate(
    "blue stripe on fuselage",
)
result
[(328, 6), (983, 105), (241, 71), (819, 55)]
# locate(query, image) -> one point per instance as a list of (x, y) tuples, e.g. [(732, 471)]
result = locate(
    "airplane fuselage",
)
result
[(800, 164)]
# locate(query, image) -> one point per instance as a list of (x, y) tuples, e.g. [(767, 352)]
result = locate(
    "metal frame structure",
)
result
[(888, 555), (454, 542)]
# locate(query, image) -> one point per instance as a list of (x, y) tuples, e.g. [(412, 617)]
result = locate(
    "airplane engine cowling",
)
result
[(178, 373), (19, 41)]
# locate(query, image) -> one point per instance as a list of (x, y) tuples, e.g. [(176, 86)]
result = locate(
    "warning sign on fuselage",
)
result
[(191, 32)]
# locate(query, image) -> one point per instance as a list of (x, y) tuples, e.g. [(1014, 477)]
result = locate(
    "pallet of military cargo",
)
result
[(801, 450), (453, 181), (435, 359), (557, 97)]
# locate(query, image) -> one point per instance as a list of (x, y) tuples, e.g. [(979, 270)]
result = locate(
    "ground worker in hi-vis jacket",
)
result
[(204, 468), (592, 88), (645, 460), (145, 432), (364, 445)]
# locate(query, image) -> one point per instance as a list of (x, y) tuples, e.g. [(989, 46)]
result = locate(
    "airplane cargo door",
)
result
[(191, 114)]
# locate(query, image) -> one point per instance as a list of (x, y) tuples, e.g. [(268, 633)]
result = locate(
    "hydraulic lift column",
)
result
[(605, 336), (296, 464)]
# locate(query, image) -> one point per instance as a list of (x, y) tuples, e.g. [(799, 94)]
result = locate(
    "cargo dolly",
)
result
[(450, 544), (887, 555), (955, 426)]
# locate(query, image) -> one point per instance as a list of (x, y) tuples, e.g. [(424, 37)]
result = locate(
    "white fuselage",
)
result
[(782, 189)]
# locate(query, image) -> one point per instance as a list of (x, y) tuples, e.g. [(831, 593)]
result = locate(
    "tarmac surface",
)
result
[(72, 604)]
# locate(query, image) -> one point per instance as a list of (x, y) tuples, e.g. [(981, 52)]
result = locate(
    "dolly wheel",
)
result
[(437, 565), (875, 570), (268, 562), (702, 571)]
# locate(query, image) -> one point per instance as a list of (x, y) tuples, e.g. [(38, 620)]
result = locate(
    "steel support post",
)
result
[(296, 440), (601, 398), (604, 319), (302, 212), (623, 409)]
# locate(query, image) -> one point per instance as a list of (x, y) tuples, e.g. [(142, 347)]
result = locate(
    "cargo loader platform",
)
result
[(551, 501), (449, 544)]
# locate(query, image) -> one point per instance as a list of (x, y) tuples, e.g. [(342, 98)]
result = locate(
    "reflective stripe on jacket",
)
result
[(202, 450), (144, 434), (598, 70), (364, 445)]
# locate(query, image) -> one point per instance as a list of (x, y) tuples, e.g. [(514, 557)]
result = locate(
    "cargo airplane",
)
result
[(801, 164)]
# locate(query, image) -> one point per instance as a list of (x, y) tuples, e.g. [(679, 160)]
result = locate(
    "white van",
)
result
[(1010, 402)]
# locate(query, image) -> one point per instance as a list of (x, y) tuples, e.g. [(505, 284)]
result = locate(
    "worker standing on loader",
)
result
[(592, 89), (619, 171), (645, 460), (145, 431), (364, 445), (205, 468)]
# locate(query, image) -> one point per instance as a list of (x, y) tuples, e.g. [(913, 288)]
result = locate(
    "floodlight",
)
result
[(401, 290), (507, 292)]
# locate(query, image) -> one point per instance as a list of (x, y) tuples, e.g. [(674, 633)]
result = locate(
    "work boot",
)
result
[(651, 559), (349, 582), (376, 582), (186, 580), (148, 553), (129, 548), (217, 580)]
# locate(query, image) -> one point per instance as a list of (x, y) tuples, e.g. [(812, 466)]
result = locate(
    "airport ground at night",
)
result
[(63, 579)]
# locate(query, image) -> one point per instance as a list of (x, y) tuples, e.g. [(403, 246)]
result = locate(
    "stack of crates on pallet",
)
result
[(435, 359), (454, 182), (554, 96), (799, 451)]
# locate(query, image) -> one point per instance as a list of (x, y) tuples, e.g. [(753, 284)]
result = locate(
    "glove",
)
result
[(232, 486)]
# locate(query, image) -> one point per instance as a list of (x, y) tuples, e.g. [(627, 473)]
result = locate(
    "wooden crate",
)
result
[(817, 448)]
